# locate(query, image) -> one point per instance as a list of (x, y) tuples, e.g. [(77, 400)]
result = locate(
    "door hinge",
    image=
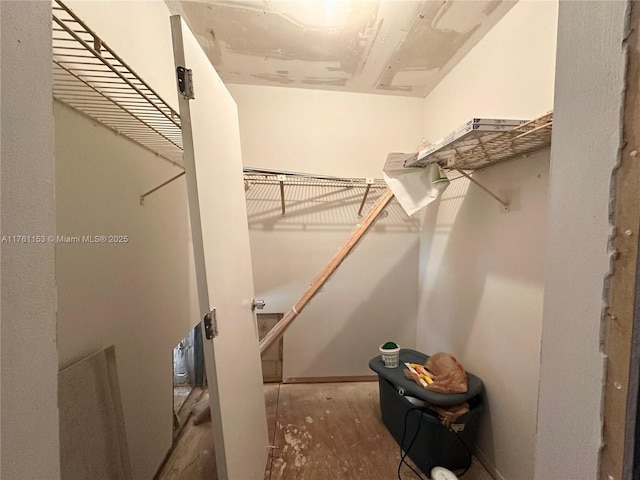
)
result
[(185, 82), (210, 324), (259, 304)]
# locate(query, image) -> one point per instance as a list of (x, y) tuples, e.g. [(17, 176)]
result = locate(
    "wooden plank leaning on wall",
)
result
[(362, 228)]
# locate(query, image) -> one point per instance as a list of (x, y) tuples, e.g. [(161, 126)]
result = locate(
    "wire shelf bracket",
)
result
[(504, 204)]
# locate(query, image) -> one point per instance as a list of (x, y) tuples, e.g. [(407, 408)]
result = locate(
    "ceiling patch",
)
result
[(270, 78), (462, 17), (369, 46), (427, 48), (332, 82), (283, 31)]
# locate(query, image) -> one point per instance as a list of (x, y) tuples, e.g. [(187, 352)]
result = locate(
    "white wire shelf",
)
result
[(253, 176), (90, 77), (288, 184), (481, 149), (291, 180), (300, 201)]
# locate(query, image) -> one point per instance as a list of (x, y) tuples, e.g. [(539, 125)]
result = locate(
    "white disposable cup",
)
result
[(390, 356)]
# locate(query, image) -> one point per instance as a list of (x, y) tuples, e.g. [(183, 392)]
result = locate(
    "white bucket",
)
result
[(390, 356), (441, 473)]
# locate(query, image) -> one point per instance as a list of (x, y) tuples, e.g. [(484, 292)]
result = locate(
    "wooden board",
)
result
[(350, 442), (335, 432), (343, 252), (193, 457), (271, 395), (331, 431), (93, 443)]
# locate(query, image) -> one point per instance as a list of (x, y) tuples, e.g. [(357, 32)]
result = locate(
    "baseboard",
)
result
[(353, 378), (484, 460), (271, 379)]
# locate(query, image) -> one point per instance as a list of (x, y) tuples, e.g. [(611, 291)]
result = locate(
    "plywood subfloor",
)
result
[(329, 431), (180, 395), (193, 456)]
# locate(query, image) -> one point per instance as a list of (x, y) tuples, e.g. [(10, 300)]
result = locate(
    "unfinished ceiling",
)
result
[(369, 46)]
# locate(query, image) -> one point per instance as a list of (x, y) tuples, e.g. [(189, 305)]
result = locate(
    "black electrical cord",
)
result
[(464, 444), (403, 455)]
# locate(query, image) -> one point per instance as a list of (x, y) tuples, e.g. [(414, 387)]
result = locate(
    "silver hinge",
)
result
[(210, 324), (185, 82), (259, 304)]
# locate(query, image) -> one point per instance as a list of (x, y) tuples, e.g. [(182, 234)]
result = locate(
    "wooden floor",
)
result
[(323, 431)]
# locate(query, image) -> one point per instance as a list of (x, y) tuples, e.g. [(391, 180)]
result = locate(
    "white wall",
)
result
[(29, 415), (509, 74), (587, 140), (372, 298), (481, 270), (482, 289), (139, 296), (133, 295), (333, 133)]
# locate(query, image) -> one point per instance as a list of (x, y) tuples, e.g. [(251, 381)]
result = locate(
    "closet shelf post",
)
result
[(281, 179)]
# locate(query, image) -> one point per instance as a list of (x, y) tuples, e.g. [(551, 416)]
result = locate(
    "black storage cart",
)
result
[(435, 444)]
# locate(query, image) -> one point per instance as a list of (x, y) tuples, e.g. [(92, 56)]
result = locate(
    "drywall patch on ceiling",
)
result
[(274, 78), (438, 32), (463, 16), (340, 82), (273, 33), (413, 78), (373, 46)]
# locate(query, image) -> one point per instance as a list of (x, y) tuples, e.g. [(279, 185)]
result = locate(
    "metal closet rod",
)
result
[(264, 171)]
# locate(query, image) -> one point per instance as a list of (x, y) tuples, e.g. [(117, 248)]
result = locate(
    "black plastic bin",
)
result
[(435, 445)]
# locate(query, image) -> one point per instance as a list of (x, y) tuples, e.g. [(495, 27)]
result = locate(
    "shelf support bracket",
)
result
[(364, 198), (144, 195), (505, 204), (281, 179)]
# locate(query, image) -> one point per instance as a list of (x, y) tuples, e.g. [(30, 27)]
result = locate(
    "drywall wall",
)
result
[(585, 150), (482, 279), (509, 74), (134, 293), (29, 413), (332, 133), (372, 298), (481, 270), (138, 295)]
